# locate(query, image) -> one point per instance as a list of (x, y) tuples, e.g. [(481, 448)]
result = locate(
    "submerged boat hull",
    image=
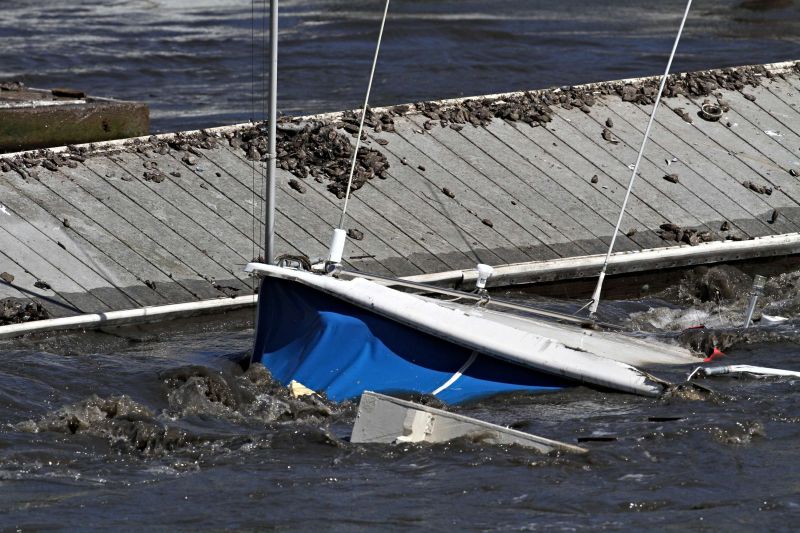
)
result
[(336, 347), (344, 336)]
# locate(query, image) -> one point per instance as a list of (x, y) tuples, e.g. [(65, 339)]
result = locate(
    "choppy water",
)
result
[(192, 61), (158, 428)]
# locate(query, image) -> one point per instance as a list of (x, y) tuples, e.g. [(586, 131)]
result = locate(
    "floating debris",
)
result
[(150, 284), (609, 123), (631, 232), (725, 226), (39, 284), (8, 278), (422, 168), (793, 172), (672, 178), (749, 97), (66, 223), (18, 313), (448, 192), (487, 222), (594, 179), (773, 217)]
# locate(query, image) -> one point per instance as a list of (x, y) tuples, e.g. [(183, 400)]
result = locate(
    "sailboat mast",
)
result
[(269, 228)]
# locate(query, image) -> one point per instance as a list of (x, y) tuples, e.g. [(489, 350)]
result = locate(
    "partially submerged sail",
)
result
[(346, 336)]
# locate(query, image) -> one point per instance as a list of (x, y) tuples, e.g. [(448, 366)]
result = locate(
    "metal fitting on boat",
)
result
[(758, 289)]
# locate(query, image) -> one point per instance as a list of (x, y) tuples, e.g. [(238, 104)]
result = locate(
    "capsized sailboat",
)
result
[(342, 333), (345, 336)]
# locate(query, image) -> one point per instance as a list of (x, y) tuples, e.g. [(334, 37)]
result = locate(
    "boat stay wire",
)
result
[(363, 115), (595, 301)]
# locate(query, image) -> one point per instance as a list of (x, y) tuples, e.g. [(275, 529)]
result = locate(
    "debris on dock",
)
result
[(171, 218)]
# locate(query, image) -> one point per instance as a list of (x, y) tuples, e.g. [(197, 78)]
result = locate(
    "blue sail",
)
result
[(335, 347)]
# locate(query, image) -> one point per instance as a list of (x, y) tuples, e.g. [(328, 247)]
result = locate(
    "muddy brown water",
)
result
[(159, 427)]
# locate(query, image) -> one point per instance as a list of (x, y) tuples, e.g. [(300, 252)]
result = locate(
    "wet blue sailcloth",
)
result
[(341, 349)]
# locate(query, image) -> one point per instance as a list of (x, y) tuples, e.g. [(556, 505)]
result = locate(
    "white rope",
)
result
[(363, 115), (596, 295)]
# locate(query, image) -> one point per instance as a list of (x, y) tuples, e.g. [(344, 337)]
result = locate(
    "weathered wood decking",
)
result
[(101, 237)]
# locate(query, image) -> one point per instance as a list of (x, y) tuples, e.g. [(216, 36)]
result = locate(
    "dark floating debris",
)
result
[(665, 418), (296, 185), (448, 192), (8, 278), (793, 172), (597, 438), (61, 245), (422, 168), (14, 312), (672, 178), (66, 223), (150, 284), (609, 123), (64, 92), (773, 217), (749, 97), (594, 179), (725, 226), (487, 222), (39, 284), (355, 234), (631, 232)]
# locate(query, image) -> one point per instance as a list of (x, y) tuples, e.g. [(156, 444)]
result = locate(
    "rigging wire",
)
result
[(595, 301), (363, 115)]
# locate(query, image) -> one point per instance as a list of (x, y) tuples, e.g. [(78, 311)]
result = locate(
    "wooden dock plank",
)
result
[(605, 156), (576, 198), (27, 259), (191, 266), (452, 219), (67, 251), (311, 212), (744, 141), (649, 170), (100, 245), (688, 167), (466, 175), (716, 163), (606, 195)]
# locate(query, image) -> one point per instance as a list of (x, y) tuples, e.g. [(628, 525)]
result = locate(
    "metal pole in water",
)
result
[(269, 236), (758, 289)]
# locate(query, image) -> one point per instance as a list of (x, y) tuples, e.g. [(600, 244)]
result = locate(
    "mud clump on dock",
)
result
[(14, 312), (314, 149)]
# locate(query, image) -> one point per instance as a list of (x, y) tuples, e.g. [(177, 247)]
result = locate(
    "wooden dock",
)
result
[(175, 218)]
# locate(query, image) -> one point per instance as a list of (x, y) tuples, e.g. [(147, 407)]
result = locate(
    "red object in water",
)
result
[(715, 354)]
